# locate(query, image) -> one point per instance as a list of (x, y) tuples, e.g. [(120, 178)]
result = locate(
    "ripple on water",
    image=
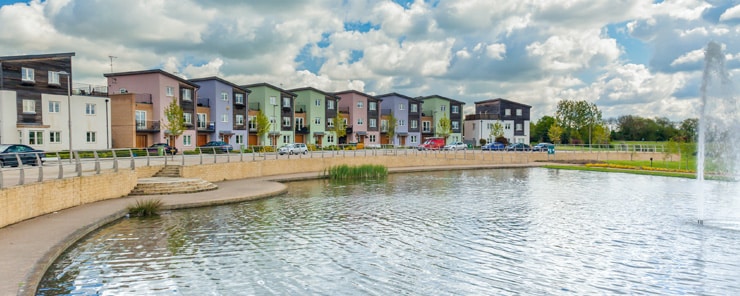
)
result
[(519, 231)]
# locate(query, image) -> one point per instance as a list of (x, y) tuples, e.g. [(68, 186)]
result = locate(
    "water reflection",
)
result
[(520, 231)]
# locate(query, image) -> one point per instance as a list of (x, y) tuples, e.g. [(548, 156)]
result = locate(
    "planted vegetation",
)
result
[(366, 171), (145, 208)]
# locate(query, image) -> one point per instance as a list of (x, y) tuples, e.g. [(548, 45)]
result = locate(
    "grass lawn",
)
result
[(626, 171)]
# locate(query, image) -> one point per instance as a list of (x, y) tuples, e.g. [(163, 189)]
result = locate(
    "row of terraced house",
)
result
[(39, 106)]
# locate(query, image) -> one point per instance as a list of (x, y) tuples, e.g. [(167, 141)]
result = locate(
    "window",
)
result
[(345, 121), (426, 126), (90, 109), (27, 75), (330, 105), (413, 139), (239, 119), (455, 125), (414, 124), (330, 138), (518, 126), (35, 137), (252, 122), (202, 120), (140, 119), (507, 112), (224, 117), (401, 106), (443, 108), (224, 96), (414, 108), (187, 118), (55, 137), (330, 122), (53, 78), (317, 120), (29, 106), (371, 138), (507, 126), (286, 139), (240, 139), (384, 125), (187, 140), (273, 101), (317, 102), (286, 102), (54, 106), (20, 136), (239, 98), (187, 94), (170, 91), (360, 104), (518, 112), (286, 121), (299, 121), (359, 121), (373, 122), (90, 137), (372, 106), (401, 122), (455, 109), (272, 120)]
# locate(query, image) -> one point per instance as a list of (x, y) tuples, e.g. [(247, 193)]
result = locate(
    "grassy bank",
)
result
[(626, 171)]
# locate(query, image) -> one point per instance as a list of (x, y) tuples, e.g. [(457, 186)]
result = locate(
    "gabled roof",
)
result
[(153, 71), (444, 98), (501, 100), (265, 84), (350, 91), (37, 56), (219, 79), (380, 97), (315, 90)]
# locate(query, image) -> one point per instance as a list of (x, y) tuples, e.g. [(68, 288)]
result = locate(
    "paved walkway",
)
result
[(28, 248)]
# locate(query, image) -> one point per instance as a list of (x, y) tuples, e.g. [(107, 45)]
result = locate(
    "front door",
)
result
[(201, 140), (141, 141), (299, 138)]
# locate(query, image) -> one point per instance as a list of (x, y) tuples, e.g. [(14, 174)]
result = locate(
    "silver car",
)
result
[(455, 146), (294, 148)]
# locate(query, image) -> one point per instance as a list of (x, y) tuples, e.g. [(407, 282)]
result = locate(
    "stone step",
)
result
[(172, 171), (166, 185)]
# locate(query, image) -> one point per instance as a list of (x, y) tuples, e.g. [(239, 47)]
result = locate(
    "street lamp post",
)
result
[(69, 109)]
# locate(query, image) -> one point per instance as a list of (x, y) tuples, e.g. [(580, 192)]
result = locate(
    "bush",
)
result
[(145, 208), (365, 171)]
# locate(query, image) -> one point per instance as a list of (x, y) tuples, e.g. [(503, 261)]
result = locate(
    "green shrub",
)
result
[(145, 208), (365, 171)]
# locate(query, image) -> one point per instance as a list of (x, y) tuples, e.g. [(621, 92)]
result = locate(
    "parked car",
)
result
[(541, 146), (27, 154), (154, 149), (218, 146), (432, 144), (294, 148), (493, 146), (455, 146), (518, 147)]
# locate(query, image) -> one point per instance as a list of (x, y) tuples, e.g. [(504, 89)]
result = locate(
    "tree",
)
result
[(263, 125), (555, 132), (175, 124), (688, 128), (541, 128), (444, 129), (340, 128), (497, 130), (577, 116), (391, 128), (601, 134)]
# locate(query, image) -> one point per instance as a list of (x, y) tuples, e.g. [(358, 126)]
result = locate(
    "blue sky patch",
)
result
[(635, 50), (356, 55), (308, 62), (360, 27), (325, 42)]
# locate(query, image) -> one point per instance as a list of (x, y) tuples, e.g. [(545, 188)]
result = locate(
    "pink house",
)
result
[(363, 112)]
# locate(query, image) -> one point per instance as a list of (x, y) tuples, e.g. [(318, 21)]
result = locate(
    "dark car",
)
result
[(9, 154), (518, 147), (154, 149), (493, 146), (217, 146), (541, 146)]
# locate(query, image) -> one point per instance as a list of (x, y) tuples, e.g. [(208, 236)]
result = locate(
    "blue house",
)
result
[(222, 109), (407, 112)]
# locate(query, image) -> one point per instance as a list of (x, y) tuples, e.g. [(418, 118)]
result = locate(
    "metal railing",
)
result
[(40, 167)]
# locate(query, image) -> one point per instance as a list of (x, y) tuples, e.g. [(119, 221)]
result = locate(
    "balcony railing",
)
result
[(149, 125), (83, 89), (204, 102), (427, 131), (300, 109), (254, 106), (207, 126), (302, 129), (143, 98), (483, 116), (343, 110)]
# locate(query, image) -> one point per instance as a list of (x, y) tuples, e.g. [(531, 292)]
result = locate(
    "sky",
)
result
[(629, 57)]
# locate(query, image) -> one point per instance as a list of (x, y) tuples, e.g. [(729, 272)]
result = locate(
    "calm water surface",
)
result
[(485, 232)]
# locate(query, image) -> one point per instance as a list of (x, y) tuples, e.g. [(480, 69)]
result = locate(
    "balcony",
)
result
[(483, 116), (344, 110), (302, 129), (385, 111), (148, 126), (300, 109), (143, 98), (83, 89), (254, 107), (209, 126), (204, 102), (427, 131)]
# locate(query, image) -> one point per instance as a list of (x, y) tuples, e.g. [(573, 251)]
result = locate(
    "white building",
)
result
[(512, 116)]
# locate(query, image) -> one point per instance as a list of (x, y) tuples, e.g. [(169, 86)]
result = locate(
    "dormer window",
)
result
[(27, 75)]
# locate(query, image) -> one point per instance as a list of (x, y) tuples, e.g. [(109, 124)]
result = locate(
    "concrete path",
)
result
[(28, 248)]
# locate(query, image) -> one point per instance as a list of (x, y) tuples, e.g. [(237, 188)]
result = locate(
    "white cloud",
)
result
[(731, 14), (496, 51), (690, 57)]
